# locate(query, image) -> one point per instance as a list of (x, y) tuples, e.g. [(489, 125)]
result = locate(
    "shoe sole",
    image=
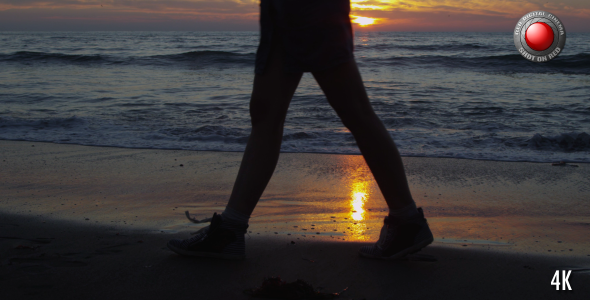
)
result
[(415, 248), (204, 254)]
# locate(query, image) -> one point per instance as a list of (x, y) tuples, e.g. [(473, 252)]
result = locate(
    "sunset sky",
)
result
[(194, 15)]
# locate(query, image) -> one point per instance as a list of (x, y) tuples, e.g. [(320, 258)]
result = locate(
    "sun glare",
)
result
[(358, 199), (364, 21), (359, 194)]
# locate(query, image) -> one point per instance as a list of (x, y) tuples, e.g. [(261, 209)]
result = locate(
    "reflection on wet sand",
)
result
[(358, 198), (358, 182)]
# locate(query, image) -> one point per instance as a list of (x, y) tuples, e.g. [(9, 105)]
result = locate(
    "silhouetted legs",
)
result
[(346, 93), (271, 96)]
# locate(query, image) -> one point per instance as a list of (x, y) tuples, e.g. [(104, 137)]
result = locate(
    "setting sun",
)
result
[(364, 21)]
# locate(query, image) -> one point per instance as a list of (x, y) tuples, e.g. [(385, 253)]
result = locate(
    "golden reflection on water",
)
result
[(358, 181), (358, 199)]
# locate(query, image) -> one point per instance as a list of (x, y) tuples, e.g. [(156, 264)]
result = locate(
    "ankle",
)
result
[(404, 213), (234, 216)]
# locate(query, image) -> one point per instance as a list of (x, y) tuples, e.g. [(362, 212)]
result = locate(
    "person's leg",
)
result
[(405, 230), (346, 93), (270, 100), (224, 237)]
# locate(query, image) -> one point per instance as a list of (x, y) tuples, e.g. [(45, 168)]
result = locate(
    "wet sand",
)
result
[(92, 223)]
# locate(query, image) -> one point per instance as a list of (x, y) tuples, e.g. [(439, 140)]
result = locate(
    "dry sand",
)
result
[(82, 222)]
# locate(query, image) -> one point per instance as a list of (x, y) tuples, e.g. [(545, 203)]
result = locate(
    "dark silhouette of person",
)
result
[(314, 36)]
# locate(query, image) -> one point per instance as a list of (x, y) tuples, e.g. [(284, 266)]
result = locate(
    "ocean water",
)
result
[(461, 95)]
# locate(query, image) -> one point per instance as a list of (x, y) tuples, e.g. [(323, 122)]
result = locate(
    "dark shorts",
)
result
[(314, 35)]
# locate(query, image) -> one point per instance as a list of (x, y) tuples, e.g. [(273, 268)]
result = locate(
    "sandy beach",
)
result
[(79, 222)]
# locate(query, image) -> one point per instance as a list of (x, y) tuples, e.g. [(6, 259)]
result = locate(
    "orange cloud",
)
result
[(503, 7), (461, 15), (387, 15)]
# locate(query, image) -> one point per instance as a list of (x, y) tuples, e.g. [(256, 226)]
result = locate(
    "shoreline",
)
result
[(92, 222), (288, 152)]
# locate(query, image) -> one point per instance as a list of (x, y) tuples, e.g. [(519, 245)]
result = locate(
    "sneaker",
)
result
[(220, 240), (398, 239)]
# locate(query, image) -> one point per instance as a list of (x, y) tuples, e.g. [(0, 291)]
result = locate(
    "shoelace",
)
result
[(198, 236)]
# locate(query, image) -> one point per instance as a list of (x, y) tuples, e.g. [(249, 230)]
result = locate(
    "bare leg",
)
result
[(345, 91), (270, 100)]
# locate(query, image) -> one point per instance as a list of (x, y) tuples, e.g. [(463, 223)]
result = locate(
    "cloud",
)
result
[(464, 15), (481, 7), (413, 15), (193, 14), (68, 20), (154, 6)]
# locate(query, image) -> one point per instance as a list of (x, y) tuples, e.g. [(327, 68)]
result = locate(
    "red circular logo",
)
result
[(539, 36)]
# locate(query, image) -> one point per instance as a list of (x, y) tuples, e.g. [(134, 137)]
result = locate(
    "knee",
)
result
[(355, 118), (265, 116)]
